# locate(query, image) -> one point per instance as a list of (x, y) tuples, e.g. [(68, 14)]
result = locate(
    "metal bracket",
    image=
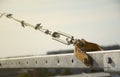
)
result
[(83, 57)]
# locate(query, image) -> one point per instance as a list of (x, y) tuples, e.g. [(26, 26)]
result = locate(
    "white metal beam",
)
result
[(100, 60)]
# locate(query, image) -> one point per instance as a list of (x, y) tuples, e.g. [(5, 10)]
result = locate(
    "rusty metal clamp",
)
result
[(80, 54)]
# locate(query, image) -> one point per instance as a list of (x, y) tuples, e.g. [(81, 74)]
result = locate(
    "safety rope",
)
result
[(55, 35)]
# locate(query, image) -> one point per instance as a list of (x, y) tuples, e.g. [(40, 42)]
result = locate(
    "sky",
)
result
[(96, 21)]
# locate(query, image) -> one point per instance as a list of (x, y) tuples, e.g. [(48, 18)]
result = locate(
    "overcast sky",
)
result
[(94, 20)]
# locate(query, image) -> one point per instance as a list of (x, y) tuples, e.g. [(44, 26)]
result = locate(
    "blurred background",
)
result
[(96, 21)]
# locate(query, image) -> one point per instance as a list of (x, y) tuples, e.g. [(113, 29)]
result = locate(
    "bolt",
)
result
[(109, 60), (84, 60)]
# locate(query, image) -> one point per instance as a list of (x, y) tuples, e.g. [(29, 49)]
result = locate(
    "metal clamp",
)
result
[(9, 15), (38, 26), (81, 55)]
